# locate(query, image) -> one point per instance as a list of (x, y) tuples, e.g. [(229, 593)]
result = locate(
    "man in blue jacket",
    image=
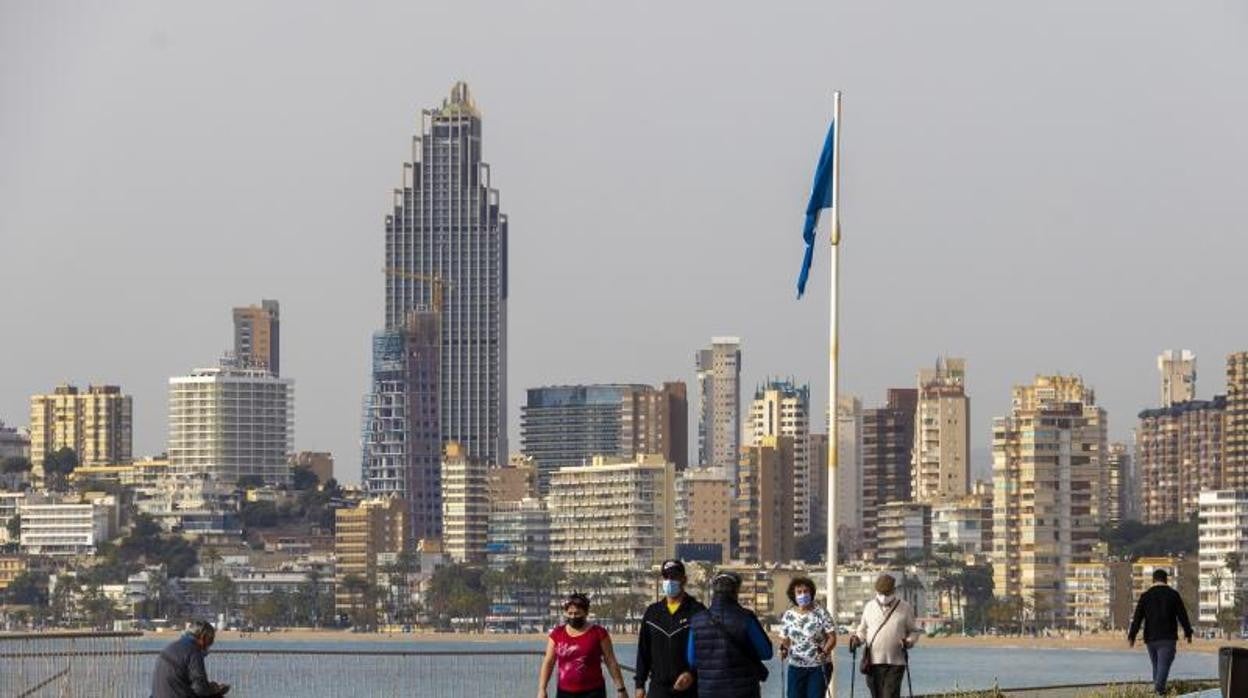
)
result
[(727, 644), (180, 672)]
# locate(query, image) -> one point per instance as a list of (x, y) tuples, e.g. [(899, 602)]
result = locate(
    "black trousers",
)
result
[(884, 681), (596, 693)]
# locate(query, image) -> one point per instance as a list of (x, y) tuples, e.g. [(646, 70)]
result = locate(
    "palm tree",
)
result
[(212, 556)]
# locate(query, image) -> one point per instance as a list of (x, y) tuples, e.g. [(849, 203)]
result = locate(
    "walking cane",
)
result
[(853, 669), (784, 674), (909, 682)]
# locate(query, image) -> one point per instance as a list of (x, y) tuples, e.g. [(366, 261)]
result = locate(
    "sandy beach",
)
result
[(1104, 642)]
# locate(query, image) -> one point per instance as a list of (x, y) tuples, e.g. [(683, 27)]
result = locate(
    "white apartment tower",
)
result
[(227, 423), (1178, 376), (1223, 531), (781, 408), (941, 467), (719, 406)]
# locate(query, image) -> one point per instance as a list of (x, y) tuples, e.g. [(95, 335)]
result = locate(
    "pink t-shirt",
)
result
[(579, 658)]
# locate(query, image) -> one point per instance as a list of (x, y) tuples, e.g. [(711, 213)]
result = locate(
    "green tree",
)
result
[(224, 593), (362, 616), (99, 609), (64, 599), (1132, 539), (57, 466), (458, 591), (302, 478), (29, 588)]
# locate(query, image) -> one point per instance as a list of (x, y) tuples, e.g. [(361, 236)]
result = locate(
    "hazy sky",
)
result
[(1043, 186)]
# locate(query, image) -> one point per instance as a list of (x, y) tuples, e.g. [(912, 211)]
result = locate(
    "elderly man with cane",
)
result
[(886, 633)]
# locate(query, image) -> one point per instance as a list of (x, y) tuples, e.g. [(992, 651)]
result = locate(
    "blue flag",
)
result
[(820, 198)]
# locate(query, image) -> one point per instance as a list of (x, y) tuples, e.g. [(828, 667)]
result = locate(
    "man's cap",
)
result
[(671, 569), (885, 584)]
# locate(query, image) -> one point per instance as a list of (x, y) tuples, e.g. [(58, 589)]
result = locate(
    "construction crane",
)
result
[(435, 281)]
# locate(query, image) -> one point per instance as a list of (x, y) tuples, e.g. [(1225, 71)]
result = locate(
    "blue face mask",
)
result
[(803, 599), (671, 588)]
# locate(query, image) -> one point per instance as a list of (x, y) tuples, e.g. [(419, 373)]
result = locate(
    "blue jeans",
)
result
[(1161, 654), (808, 682)]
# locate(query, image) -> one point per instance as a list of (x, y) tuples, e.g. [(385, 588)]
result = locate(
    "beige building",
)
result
[(614, 516), (361, 534), (1049, 491), (1178, 376), (765, 526), (513, 482), (656, 420), (465, 505), (704, 510), (963, 527), (1235, 453), (1090, 596), (1179, 454), (719, 404), (320, 463), (257, 338), (1122, 485), (905, 532), (96, 424), (1142, 573), (11, 566), (781, 408), (941, 466)]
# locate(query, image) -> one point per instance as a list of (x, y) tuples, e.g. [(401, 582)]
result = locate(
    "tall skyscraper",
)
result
[(1235, 454), (781, 408), (1179, 454), (719, 404), (1049, 490), (96, 424), (257, 336), (1178, 376), (446, 250), (942, 433), (568, 425), (227, 423), (1120, 483), (765, 502), (402, 436), (887, 445)]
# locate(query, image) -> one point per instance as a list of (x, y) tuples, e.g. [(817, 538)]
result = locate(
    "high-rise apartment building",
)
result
[(765, 481), (568, 425), (446, 250), (1049, 485), (615, 516), (465, 505), (361, 534), (402, 426), (14, 443), (1121, 484), (1179, 451), (257, 336), (1178, 376), (963, 527), (1235, 454), (518, 531), (781, 408), (228, 423), (513, 482), (719, 404), (96, 424), (942, 433), (656, 420), (704, 509), (887, 446), (1223, 531)]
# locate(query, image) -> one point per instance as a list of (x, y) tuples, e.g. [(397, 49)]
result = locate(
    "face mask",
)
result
[(576, 623), (884, 599), (671, 588), (803, 599)]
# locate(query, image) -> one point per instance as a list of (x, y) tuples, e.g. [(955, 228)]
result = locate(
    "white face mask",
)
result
[(884, 600)]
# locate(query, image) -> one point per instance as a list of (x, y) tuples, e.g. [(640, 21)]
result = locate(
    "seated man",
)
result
[(180, 672)]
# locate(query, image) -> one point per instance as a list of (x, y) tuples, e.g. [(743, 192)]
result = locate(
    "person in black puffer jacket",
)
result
[(662, 643), (727, 644)]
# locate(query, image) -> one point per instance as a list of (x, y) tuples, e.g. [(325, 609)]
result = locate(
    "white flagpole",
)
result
[(833, 375)]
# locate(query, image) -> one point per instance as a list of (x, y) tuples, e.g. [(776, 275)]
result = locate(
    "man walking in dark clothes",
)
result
[(1162, 611)]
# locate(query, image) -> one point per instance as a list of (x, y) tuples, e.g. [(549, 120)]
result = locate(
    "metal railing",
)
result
[(109, 664)]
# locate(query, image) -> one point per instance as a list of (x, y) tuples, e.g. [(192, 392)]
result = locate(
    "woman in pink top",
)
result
[(579, 650)]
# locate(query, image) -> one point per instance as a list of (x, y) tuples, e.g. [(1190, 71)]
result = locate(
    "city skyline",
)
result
[(310, 240)]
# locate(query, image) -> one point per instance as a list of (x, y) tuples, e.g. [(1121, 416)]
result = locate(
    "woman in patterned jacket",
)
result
[(808, 636)]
